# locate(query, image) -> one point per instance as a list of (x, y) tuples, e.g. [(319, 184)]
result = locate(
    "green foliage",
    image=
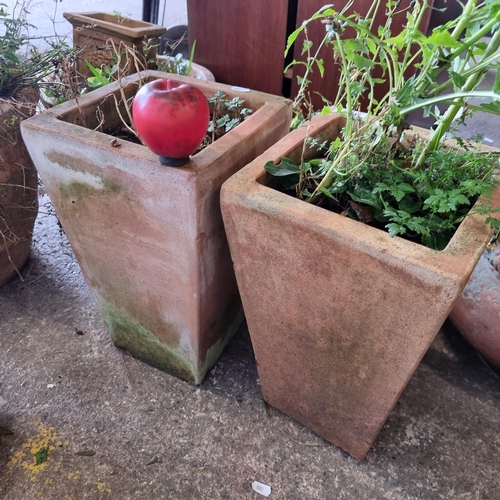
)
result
[(41, 456), (177, 64), (226, 114), (21, 64), (375, 171), (100, 76), (423, 204)]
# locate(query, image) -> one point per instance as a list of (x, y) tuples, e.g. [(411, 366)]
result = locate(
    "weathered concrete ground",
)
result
[(103, 416)]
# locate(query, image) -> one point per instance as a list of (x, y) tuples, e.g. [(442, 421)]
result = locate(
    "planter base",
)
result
[(143, 344), (340, 314), (150, 238)]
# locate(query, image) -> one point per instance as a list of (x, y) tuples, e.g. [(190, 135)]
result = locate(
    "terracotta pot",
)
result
[(150, 239), (197, 71), (476, 313), (92, 30), (18, 186), (339, 313)]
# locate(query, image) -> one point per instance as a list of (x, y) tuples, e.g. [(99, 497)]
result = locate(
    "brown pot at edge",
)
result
[(18, 186)]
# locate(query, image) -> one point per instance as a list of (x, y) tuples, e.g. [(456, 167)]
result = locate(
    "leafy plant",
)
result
[(22, 64), (376, 171), (177, 64), (120, 18), (226, 114), (100, 76)]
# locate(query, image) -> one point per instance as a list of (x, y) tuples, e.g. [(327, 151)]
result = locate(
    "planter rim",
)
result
[(52, 119), (141, 28), (250, 184)]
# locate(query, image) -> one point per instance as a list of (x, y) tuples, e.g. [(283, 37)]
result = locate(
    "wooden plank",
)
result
[(241, 42)]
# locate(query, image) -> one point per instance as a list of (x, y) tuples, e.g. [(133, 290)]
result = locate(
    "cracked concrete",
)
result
[(103, 416)]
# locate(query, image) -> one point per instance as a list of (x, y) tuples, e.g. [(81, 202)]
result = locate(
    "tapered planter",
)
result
[(339, 313), (18, 185), (149, 238), (476, 313), (93, 30)]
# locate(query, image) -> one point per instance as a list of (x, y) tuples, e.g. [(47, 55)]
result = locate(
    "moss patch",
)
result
[(216, 349), (143, 344), (80, 191)]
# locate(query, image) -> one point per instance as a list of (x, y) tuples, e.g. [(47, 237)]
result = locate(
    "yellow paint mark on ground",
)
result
[(102, 487), (74, 475), (45, 437)]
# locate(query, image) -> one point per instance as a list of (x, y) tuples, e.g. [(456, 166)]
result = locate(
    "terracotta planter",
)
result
[(197, 71), (92, 30), (476, 314), (150, 239), (18, 186), (339, 313)]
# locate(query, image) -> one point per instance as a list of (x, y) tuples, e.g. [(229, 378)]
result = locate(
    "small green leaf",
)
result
[(491, 107), (442, 38), (284, 167), (458, 80), (400, 190), (493, 222), (306, 46), (408, 204), (362, 62), (395, 229), (397, 41), (365, 196), (355, 45), (321, 67), (327, 193), (41, 456)]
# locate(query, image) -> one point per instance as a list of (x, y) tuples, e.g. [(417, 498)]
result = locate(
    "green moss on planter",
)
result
[(81, 191), (143, 344), (216, 349)]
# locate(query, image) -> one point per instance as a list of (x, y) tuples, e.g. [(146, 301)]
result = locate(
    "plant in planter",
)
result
[(96, 32), (180, 65), (149, 238), (340, 312), (22, 70)]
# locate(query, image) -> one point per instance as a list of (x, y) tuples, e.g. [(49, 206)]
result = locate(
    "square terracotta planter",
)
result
[(92, 30), (339, 313), (150, 239)]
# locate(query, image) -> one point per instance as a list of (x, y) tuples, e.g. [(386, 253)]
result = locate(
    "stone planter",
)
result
[(339, 313), (18, 186), (92, 30), (150, 239), (476, 313), (197, 71)]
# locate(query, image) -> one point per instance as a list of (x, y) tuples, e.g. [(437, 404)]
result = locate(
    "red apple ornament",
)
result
[(171, 117)]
